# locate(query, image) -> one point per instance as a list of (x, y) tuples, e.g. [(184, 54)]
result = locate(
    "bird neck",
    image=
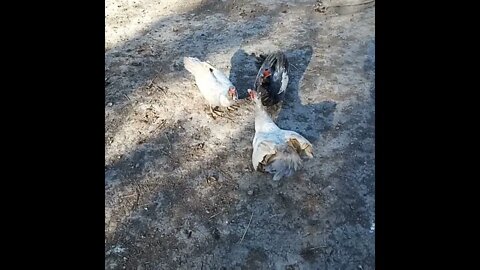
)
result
[(263, 122)]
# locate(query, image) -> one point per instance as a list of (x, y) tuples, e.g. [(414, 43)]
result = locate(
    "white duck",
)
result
[(215, 87), (275, 150)]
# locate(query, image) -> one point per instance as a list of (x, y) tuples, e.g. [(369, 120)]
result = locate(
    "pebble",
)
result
[(250, 192)]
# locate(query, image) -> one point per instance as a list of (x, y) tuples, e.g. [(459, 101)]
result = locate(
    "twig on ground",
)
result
[(247, 228)]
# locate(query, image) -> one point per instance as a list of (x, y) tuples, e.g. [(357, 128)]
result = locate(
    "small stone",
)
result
[(110, 104), (360, 267), (137, 165), (250, 192)]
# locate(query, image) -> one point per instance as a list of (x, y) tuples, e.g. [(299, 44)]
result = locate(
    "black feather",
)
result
[(269, 88)]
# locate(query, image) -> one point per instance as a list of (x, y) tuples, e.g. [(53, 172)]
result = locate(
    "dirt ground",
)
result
[(180, 192)]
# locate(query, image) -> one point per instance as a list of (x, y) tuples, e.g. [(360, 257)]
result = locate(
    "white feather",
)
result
[(284, 82)]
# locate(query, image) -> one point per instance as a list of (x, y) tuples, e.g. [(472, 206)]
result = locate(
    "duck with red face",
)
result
[(276, 151), (272, 79), (214, 86)]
